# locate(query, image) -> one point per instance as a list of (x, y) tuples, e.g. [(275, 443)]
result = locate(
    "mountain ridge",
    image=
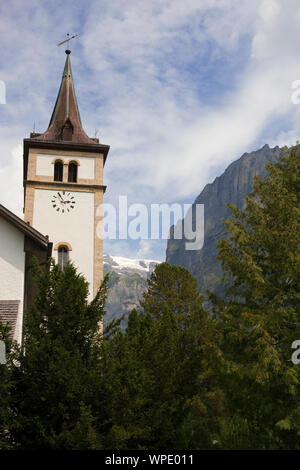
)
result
[(232, 186), (127, 282)]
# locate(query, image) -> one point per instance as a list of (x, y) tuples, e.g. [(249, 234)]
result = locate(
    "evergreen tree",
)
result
[(173, 287), (260, 317), (7, 417), (179, 377), (58, 373), (158, 372)]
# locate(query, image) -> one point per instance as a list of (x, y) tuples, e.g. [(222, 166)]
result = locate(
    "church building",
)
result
[(63, 193), (19, 244)]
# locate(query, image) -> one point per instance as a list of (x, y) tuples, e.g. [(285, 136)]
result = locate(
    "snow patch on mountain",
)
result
[(123, 266)]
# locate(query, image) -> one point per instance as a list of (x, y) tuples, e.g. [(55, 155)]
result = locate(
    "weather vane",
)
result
[(68, 39)]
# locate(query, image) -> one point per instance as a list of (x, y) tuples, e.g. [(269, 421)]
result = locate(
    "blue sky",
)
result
[(178, 89)]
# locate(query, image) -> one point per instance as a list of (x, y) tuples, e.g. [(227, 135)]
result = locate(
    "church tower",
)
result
[(63, 185)]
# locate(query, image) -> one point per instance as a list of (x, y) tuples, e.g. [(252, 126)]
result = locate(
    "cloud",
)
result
[(153, 58), (178, 89), (174, 144), (11, 177), (145, 249)]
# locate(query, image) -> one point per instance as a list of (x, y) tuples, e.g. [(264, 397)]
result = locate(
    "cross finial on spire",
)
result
[(65, 123), (67, 40)]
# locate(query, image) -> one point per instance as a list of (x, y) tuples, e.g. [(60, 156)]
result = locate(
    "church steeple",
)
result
[(65, 123), (63, 186)]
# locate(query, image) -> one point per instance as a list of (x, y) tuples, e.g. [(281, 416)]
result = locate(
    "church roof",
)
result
[(29, 231), (65, 123), (65, 130)]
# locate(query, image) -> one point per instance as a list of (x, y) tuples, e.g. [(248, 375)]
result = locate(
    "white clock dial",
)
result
[(63, 202)]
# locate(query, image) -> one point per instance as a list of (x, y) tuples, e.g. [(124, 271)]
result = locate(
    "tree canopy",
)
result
[(184, 375)]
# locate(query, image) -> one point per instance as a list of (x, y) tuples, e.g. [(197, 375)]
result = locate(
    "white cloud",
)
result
[(145, 249), (178, 89), (11, 177), (269, 11), (173, 145)]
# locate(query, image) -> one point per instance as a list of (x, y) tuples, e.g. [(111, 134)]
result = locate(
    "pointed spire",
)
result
[(65, 123)]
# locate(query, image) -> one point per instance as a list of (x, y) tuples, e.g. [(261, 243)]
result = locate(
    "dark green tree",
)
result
[(159, 372), (7, 416), (260, 317), (173, 287), (58, 374)]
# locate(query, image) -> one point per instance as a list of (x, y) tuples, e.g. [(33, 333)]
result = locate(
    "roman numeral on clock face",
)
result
[(63, 202)]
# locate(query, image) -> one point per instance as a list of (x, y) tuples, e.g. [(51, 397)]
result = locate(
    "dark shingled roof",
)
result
[(9, 313), (65, 130), (65, 123)]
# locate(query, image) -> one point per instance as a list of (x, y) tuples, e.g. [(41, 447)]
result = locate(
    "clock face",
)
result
[(63, 202)]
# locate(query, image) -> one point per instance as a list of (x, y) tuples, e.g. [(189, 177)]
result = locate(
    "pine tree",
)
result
[(58, 373), (171, 286), (260, 317), (7, 416), (159, 372)]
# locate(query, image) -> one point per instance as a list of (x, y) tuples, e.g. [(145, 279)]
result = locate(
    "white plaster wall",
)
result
[(12, 267), (75, 228), (45, 167)]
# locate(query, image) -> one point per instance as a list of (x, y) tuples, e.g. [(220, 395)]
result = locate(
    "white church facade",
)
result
[(63, 194), (19, 244)]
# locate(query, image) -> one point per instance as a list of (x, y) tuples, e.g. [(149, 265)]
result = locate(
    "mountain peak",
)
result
[(230, 187)]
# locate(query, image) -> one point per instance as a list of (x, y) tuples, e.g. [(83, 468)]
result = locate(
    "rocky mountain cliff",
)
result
[(128, 281), (232, 186)]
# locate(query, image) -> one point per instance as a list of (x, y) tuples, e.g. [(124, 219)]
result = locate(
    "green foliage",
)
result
[(57, 375), (156, 371), (179, 377), (173, 287), (260, 318), (7, 417)]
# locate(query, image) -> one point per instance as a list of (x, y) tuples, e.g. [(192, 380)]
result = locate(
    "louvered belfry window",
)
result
[(72, 176), (63, 256), (58, 171)]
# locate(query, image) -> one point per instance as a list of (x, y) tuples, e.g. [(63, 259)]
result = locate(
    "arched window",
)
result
[(58, 171), (72, 175), (63, 256)]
